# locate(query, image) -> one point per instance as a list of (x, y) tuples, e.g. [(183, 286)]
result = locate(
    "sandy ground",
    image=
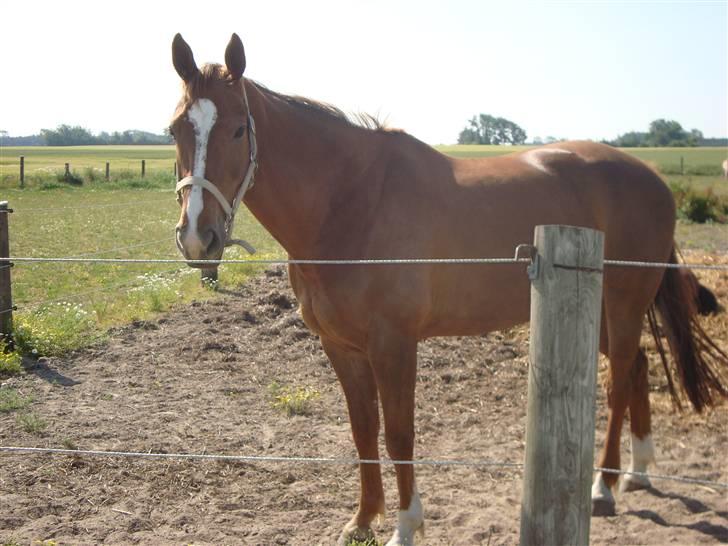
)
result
[(198, 380)]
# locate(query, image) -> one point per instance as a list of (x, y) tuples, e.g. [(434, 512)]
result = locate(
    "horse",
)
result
[(329, 187)]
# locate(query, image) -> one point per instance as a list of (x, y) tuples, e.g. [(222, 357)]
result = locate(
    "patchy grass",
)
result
[(292, 401), (12, 400), (31, 423)]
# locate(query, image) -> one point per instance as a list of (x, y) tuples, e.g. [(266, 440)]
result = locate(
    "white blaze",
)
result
[(202, 115)]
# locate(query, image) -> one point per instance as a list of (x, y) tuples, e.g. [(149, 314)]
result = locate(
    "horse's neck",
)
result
[(306, 164)]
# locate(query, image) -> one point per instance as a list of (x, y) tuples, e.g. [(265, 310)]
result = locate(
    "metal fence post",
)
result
[(6, 298), (566, 298)]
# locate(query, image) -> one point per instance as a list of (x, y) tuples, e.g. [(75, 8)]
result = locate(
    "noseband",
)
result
[(247, 183)]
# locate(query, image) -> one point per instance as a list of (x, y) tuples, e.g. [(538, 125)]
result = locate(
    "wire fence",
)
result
[(383, 261), (86, 207), (340, 461), (89, 258)]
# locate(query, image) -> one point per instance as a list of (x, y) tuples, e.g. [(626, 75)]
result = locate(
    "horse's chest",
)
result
[(325, 310)]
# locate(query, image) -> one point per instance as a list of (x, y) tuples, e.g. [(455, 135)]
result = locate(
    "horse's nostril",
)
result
[(214, 244)]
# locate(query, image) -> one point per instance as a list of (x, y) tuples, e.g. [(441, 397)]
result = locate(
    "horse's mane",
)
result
[(212, 73), (362, 120)]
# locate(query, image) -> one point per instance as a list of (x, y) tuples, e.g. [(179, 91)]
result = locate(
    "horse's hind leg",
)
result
[(357, 381), (643, 452), (624, 336)]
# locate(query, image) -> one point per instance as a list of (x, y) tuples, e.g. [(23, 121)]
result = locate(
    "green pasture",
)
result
[(43, 160), (63, 306)]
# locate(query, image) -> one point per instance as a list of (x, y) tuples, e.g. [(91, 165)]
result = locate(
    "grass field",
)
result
[(43, 159), (62, 306), (134, 219)]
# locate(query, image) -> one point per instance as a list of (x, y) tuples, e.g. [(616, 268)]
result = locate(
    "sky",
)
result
[(567, 69)]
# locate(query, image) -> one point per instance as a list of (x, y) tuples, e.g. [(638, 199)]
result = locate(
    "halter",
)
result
[(247, 183)]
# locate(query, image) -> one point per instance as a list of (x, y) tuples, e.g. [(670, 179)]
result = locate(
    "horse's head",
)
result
[(215, 138)]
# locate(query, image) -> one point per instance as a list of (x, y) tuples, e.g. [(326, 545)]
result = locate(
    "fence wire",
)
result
[(341, 461), (383, 261), (86, 207)]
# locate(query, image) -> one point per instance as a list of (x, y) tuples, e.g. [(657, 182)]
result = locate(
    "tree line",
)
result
[(487, 129), (67, 135), (662, 132)]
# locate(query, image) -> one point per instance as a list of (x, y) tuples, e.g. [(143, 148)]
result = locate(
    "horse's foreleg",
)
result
[(357, 381), (643, 452), (394, 360)]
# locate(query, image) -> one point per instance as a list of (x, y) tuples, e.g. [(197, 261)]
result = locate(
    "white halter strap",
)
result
[(247, 183)]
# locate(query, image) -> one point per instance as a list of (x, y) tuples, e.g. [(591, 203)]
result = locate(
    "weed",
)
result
[(293, 402), (11, 400), (54, 329), (69, 444), (10, 362), (31, 422)]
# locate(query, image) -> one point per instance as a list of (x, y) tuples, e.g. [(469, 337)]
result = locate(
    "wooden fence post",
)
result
[(682, 165), (566, 298), (68, 170), (6, 298), (144, 167), (107, 171), (22, 171)]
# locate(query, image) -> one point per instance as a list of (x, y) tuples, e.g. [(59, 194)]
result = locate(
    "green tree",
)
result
[(487, 129)]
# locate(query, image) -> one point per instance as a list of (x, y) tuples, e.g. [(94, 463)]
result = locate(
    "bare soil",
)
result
[(198, 380)]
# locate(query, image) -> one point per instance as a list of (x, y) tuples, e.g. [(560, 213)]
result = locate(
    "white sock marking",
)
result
[(409, 522), (643, 453), (202, 115), (600, 491), (535, 157)]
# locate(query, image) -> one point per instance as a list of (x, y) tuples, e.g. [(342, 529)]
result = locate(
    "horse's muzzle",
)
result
[(207, 245)]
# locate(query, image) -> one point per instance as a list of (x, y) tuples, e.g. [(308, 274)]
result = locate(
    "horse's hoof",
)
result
[(354, 533), (603, 508), (634, 483)]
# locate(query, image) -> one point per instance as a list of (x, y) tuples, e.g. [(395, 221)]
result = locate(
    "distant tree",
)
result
[(665, 132), (65, 135), (662, 132), (487, 129)]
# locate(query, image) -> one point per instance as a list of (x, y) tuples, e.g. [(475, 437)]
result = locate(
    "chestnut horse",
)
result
[(328, 188)]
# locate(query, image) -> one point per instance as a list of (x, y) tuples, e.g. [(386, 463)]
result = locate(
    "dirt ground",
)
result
[(198, 380)]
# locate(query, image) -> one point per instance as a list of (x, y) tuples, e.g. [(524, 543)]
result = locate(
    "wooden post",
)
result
[(566, 298), (68, 170), (143, 167), (6, 298), (22, 171), (107, 171), (682, 165)]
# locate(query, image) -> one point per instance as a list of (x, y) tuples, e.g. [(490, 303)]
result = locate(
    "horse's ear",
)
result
[(235, 57), (182, 58)]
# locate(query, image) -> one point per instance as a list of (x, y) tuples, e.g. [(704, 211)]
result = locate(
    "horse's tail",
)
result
[(700, 365)]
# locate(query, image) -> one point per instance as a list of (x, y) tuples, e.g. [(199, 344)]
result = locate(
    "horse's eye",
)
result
[(240, 132)]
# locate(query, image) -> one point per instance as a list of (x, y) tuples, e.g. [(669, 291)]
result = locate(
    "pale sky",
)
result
[(576, 69)]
